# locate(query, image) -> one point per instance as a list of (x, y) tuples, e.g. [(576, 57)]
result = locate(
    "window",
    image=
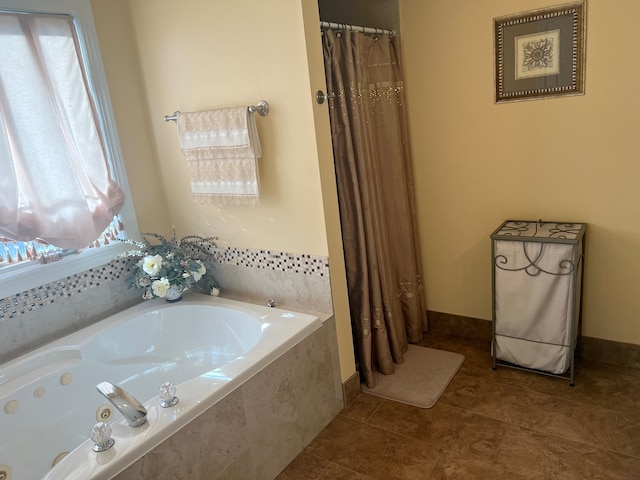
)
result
[(61, 36)]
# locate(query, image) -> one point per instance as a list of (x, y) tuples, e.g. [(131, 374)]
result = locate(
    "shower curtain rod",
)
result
[(345, 26)]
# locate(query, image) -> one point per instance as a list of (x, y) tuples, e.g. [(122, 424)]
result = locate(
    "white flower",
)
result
[(214, 292), (201, 271), (160, 287), (144, 281), (152, 264), (147, 295)]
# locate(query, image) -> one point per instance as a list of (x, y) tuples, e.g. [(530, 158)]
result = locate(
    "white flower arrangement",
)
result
[(171, 265)]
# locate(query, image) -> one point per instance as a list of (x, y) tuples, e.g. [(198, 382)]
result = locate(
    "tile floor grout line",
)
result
[(516, 425), (440, 458), (578, 401), (609, 401), (375, 411), (563, 439), (583, 402), (331, 461), (324, 469), (321, 458), (542, 432), (618, 451), (552, 435), (366, 420), (352, 470), (404, 435)]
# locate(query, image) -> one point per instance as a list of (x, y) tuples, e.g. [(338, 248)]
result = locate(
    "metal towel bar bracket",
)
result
[(172, 118), (262, 108)]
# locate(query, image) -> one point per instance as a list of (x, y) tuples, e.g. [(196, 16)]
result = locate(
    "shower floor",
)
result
[(488, 424)]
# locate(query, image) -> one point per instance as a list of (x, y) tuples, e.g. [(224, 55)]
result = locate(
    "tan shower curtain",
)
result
[(375, 191)]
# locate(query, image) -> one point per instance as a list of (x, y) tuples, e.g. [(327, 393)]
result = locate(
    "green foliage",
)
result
[(158, 263)]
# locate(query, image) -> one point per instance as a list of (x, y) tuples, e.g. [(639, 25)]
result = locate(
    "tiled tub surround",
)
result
[(300, 281), (209, 346), (35, 317), (288, 381), (267, 421), (258, 429)]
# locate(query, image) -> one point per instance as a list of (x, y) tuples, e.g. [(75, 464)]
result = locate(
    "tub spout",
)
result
[(132, 409)]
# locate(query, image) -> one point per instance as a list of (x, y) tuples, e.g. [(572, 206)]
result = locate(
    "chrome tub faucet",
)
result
[(132, 409)]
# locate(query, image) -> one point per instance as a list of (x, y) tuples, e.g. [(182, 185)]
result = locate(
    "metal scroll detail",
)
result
[(516, 229), (564, 230), (533, 268), (550, 230)]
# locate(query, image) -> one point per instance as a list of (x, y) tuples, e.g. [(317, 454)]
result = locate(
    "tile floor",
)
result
[(504, 424)]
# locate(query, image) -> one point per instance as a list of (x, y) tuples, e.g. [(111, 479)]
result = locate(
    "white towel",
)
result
[(221, 148)]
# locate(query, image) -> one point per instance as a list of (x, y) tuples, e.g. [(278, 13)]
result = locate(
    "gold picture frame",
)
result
[(541, 53)]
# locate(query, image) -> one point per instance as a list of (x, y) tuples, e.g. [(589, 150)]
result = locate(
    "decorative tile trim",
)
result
[(277, 261), (62, 289), (39, 297)]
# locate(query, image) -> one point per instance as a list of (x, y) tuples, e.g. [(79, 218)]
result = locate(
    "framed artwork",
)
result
[(540, 54)]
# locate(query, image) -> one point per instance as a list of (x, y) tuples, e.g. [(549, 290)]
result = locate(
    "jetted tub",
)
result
[(206, 346)]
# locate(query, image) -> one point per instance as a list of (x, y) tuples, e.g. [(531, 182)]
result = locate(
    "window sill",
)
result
[(35, 275)]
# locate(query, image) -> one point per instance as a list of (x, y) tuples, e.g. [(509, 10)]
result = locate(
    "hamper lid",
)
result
[(539, 231)]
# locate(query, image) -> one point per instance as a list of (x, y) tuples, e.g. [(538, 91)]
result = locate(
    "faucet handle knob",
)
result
[(168, 395), (101, 435)]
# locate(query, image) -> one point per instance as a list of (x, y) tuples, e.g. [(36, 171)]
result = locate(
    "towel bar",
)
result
[(262, 107)]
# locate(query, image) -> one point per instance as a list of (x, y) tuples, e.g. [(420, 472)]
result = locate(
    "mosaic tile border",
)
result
[(277, 261), (44, 295), (39, 297)]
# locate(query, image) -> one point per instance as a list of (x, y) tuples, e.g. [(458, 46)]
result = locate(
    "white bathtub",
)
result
[(206, 346)]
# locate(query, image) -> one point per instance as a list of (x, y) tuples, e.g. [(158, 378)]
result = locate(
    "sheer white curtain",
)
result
[(55, 182)]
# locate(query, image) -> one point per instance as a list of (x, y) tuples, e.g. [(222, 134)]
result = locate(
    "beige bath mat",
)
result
[(420, 379)]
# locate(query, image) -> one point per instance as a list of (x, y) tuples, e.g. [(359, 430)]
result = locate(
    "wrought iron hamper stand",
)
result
[(536, 277)]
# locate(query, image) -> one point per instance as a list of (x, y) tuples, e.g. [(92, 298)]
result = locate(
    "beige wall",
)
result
[(476, 163), (122, 68), (161, 56), (322, 126), (198, 55), (567, 159)]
